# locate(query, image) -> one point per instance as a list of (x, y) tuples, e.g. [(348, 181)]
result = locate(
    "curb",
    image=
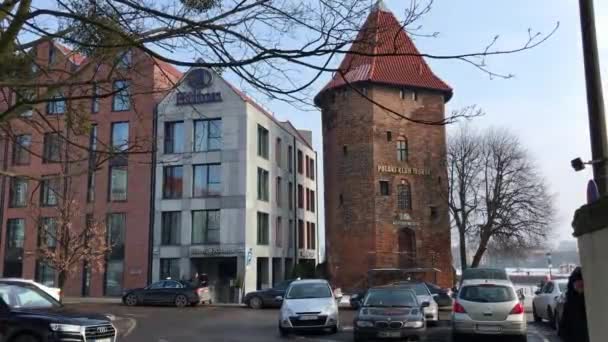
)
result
[(91, 300)]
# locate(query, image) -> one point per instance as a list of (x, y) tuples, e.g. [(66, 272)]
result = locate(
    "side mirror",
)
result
[(278, 298), (425, 305), (537, 292)]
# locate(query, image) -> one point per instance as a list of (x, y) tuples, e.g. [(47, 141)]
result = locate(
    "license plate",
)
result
[(389, 334), (104, 340), (488, 328), (308, 318)]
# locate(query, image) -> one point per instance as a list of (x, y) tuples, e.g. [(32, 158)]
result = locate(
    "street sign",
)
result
[(593, 193)]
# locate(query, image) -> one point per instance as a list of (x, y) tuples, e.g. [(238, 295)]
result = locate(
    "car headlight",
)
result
[(414, 324), (288, 312), (364, 324), (65, 327)]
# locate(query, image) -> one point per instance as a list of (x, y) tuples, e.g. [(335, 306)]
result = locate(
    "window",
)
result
[(279, 192), (206, 227), (18, 192), (344, 150), (301, 235), (307, 167), (389, 136), (278, 150), (15, 235), (312, 168), (121, 100), (384, 188), (415, 95), (402, 94), (47, 232), (118, 183), (290, 195), (433, 213), (95, 98), (93, 138), (52, 148), (207, 180), (263, 185), (300, 162), (290, 234), (45, 274), (278, 236), (263, 228), (52, 56), (312, 241), (92, 161), (21, 149), (549, 288), (300, 196), (125, 60), (120, 136), (172, 181), (207, 135), (404, 196), (25, 96), (174, 137), (364, 91), (113, 280), (170, 228), (312, 201), (169, 269), (307, 199), (262, 142), (56, 105), (290, 158), (49, 188), (402, 150), (487, 294)]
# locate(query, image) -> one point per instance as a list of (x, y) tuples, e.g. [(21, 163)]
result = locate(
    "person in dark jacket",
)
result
[(573, 324)]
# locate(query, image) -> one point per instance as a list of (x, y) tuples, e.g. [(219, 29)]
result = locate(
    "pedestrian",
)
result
[(203, 280), (573, 323)]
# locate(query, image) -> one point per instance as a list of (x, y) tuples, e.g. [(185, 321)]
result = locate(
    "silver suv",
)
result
[(488, 307)]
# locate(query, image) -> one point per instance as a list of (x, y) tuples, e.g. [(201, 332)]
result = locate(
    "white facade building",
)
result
[(236, 190)]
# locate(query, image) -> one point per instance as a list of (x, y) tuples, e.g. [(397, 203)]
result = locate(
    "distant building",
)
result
[(385, 176), (236, 190)]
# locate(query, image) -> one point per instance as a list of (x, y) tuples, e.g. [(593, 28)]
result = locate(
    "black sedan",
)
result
[(28, 314), (268, 297), (165, 292), (391, 313), (442, 296)]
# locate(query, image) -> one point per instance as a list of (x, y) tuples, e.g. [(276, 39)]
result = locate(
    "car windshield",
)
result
[(487, 293), (390, 298), (19, 296), (303, 291), (419, 288), (562, 287), (481, 273)]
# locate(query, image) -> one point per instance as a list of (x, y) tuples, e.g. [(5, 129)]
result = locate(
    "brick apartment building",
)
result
[(116, 191), (385, 177)]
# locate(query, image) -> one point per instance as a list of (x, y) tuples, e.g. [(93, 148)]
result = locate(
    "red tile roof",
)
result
[(168, 68), (74, 57), (384, 53)]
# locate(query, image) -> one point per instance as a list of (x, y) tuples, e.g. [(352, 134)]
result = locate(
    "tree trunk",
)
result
[(483, 244), (61, 276), (463, 249)]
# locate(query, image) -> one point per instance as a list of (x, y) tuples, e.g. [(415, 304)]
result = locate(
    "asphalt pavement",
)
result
[(238, 324)]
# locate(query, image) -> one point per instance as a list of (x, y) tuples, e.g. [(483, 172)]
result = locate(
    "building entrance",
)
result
[(222, 274)]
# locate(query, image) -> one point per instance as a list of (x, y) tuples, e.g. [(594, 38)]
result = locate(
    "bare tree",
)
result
[(497, 198)]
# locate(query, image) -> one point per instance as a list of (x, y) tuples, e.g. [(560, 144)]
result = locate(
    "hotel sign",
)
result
[(198, 79), (216, 251), (403, 170)]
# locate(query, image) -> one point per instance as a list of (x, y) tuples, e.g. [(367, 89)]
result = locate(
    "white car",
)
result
[(51, 291), (308, 305), (488, 307), (544, 304), (431, 312)]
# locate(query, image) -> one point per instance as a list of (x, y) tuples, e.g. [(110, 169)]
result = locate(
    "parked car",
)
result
[(390, 312), (308, 305), (488, 307), (559, 309), (268, 297), (431, 312), (166, 292), (30, 314), (443, 297), (54, 292), (544, 303)]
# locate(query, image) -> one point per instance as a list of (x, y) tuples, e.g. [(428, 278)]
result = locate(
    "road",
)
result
[(235, 324)]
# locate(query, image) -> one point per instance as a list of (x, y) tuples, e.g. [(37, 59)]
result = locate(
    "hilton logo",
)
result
[(198, 79)]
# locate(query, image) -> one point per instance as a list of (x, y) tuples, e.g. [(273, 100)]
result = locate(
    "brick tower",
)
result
[(385, 177)]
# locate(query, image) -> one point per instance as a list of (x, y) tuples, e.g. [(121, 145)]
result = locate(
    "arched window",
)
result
[(402, 151), (404, 196)]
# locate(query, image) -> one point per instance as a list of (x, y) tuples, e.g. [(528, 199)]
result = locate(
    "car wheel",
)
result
[(181, 301), (523, 338), (282, 331), (357, 338), (26, 338), (131, 300), (536, 316), (256, 303), (551, 317), (458, 337), (556, 325), (333, 330)]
